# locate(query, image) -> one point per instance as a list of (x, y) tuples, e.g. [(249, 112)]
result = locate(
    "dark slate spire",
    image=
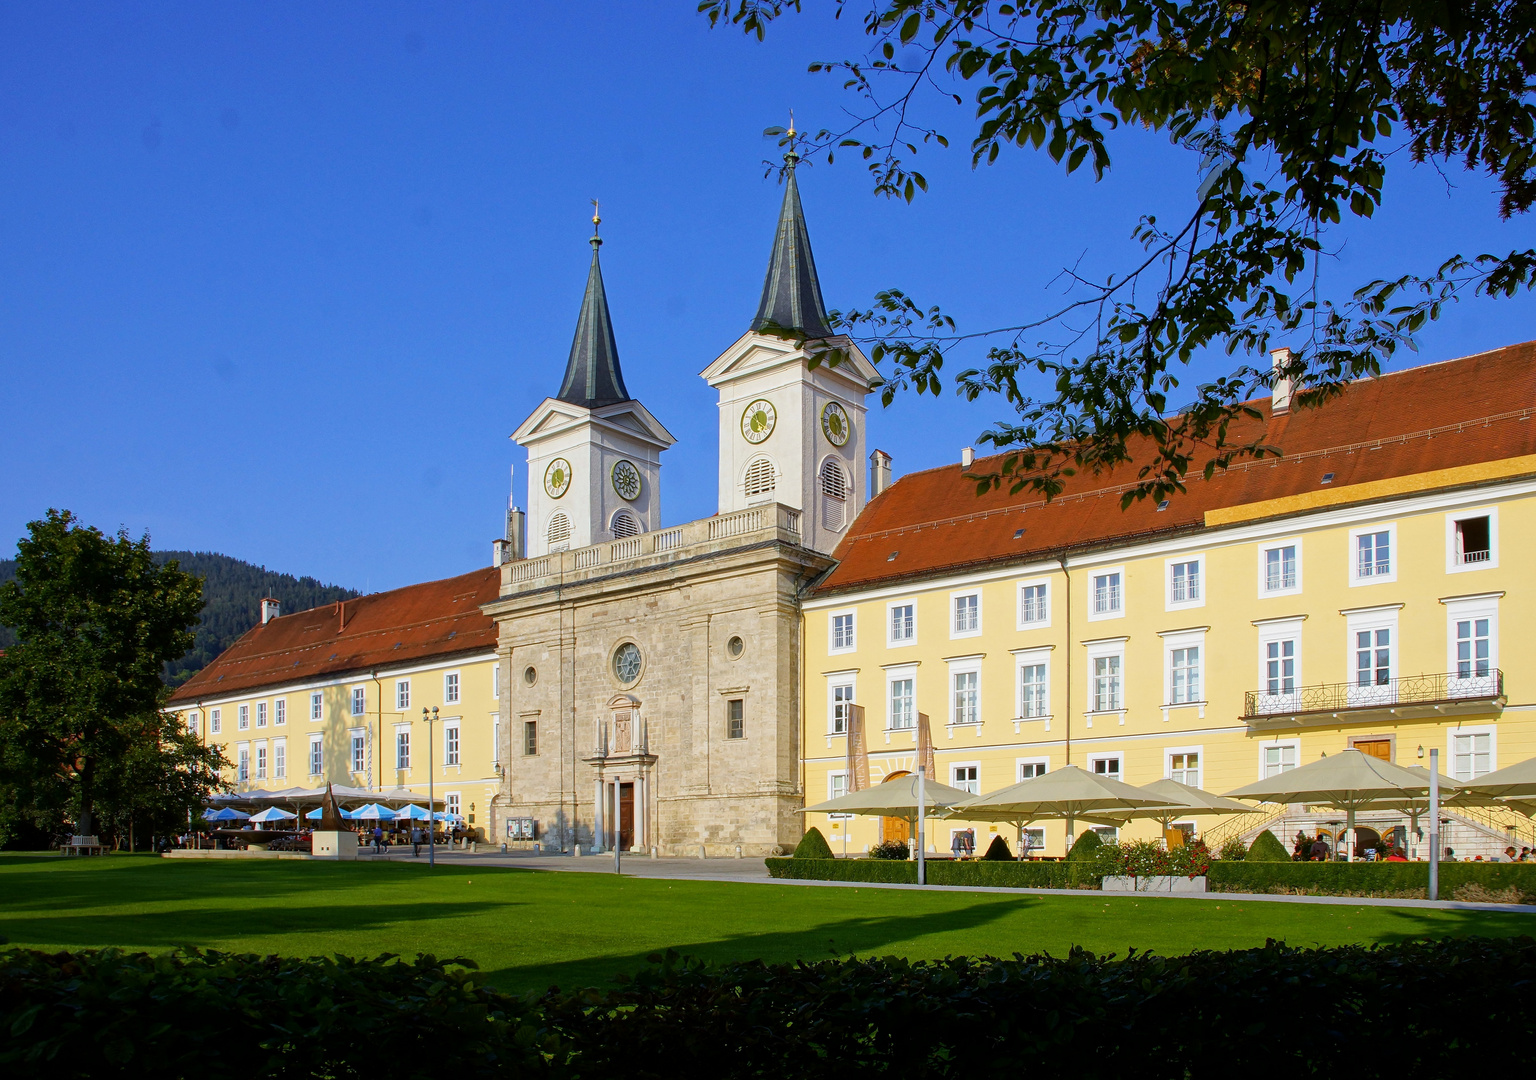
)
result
[(592, 375), (791, 293)]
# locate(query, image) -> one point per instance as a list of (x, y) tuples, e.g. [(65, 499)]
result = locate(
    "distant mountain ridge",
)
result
[(233, 589)]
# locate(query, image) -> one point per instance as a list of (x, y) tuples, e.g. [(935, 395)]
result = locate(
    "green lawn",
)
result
[(531, 930)]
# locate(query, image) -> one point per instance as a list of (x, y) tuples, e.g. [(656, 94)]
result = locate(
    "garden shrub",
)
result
[(1386, 879), (813, 846), (1234, 850), (1085, 846), (888, 871), (997, 851), (1016, 875), (890, 849), (1267, 848), (1147, 858)]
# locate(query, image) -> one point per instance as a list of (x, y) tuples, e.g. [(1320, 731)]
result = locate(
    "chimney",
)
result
[(270, 609), (879, 472), (1280, 396), (967, 455)]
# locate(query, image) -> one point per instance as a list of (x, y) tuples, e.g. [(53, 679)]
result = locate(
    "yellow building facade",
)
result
[(1372, 596)]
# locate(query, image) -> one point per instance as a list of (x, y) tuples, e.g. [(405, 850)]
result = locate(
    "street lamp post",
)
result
[(430, 718)]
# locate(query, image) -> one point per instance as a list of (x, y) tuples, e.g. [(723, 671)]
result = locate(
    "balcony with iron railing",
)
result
[(1406, 697)]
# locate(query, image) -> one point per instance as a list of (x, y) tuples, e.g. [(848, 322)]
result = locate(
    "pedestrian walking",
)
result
[(416, 841), (378, 839)]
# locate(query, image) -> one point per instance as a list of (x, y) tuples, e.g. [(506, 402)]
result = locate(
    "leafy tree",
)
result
[(81, 719), (1294, 111)]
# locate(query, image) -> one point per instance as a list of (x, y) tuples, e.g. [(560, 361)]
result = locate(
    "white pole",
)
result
[(1349, 831), (618, 837), (921, 866), (1434, 824)]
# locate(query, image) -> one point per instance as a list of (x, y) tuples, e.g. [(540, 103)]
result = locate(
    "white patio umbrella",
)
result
[(1191, 802), (412, 812), (1070, 793), (1511, 781), (1348, 781), (894, 798), (373, 812)]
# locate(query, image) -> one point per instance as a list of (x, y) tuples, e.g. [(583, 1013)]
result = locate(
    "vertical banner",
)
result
[(858, 751), (925, 746)]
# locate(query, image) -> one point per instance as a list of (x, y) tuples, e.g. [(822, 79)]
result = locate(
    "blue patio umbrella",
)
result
[(319, 812), (272, 813), (412, 812), (226, 813), (373, 812)]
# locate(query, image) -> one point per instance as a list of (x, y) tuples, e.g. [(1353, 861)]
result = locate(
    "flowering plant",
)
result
[(1146, 858)]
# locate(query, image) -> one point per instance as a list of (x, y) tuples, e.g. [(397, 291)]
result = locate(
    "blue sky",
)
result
[(279, 280)]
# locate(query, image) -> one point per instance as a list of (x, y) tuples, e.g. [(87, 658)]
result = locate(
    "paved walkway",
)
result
[(752, 871)]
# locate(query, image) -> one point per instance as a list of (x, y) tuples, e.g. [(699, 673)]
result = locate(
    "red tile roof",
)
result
[(1438, 416), (419, 622)]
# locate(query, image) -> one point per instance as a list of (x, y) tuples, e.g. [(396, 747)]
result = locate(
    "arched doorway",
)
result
[(895, 828), (1365, 839)]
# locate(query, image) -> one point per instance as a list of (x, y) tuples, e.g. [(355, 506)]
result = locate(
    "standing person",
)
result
[(416, 840), (378, 838), (956, 845)]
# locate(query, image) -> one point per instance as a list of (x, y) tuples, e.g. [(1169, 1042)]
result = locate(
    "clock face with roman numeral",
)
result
[(835, 424), (557, 478), (758, 420), (626, 480)]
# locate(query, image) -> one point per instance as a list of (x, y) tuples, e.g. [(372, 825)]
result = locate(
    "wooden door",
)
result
[(1376, 748), (895, 828), (626, 816)]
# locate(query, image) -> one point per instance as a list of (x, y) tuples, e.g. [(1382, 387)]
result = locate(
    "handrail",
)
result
[(1403, 690)]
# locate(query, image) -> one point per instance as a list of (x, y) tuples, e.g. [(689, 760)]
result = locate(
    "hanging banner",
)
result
[(925, 746), (858, 750)]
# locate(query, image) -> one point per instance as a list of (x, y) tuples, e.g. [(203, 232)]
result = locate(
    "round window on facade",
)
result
[(530, 675), (627, 662), (735, 647)]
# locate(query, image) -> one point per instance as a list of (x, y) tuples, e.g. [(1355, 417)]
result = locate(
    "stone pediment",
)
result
[(753, 353), (554, 416)]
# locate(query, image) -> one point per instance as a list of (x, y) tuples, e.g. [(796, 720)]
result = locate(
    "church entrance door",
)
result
[(626, 816)]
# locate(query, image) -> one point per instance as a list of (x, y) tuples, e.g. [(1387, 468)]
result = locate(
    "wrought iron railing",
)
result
[(1404, 690)]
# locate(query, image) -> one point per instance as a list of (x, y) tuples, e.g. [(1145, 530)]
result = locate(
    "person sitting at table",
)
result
[(1509, 853)]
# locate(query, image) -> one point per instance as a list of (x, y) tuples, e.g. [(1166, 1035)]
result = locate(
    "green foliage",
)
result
[(232, 590), (1010, 874), (1267, 848), (997, 850), (890, 871), (1086, 847), (1387, 879), (813, 846), (1234, 850), (1146, 858), (81, 698), (1289, 113), (890, 849)]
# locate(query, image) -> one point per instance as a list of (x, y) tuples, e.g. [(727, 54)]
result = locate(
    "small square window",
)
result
[(280, 713), (967, 614), (1033, 607), (1108, 597), (359, 701), (402, 695), (1280, 569), (1184, 585), (451, 687), (842, 631), (735, 718), (316, 706), (903, 623), (215, 721)]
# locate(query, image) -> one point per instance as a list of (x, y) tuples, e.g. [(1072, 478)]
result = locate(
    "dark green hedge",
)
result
[(1403, 1011), (812, 846), (886, 871), (1018, 875), (1376, 878)]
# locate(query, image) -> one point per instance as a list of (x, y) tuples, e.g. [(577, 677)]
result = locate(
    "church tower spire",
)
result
[(592, 375), (791, 291)]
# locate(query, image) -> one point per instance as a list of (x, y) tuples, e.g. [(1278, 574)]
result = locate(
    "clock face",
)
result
[(626, 479), (835, 424), (557, 478), (757, 422)]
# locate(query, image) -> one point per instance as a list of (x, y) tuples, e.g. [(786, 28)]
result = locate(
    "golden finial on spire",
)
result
[(597, 220), (792, 123), (790, 157)]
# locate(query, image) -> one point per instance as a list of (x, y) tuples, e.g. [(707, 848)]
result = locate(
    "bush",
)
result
[(891, 849), (1234, 850), (1385, 879), (997, 851), (1266, 848), (1014, 875), (885, 871), (813, 846), (1146, 858), (1086, 846)]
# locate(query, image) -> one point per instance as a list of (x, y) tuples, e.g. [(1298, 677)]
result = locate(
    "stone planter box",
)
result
[(1154, 884)]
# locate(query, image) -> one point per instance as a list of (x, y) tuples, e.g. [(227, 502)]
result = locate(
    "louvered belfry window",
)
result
[(559, 532), (834, 494), (625, 525), (760, 478)]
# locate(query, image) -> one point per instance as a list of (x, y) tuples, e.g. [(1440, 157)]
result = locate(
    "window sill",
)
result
[(974, 725), (1184, 705), (1017, 720), (1118, 714)]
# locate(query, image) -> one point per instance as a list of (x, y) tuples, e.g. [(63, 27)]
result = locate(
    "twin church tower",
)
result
[(789, 433), (652, 670)]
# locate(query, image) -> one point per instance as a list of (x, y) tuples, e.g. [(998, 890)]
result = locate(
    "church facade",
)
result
[(653, 674)]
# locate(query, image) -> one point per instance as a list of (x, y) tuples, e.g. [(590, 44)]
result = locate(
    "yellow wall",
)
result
[(1230, 751), (474, 780)]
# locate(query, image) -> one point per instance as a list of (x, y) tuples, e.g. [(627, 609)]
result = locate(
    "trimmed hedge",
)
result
[(812, 846), (885, 871), (1392, 879), (997, 850), (1016, 875), (1267, 848)]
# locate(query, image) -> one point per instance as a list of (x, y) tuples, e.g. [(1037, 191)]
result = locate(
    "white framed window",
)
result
[(901, 623), (243, 762), (215, 721), (402, 694), (451, 743), (1472, 639), (1278, 757), (316, 755), (451, 688), (1029, 768), (837, 786), (1034, 604), (1183, 764), (243, 721), (1373, 554), (192, 723), (496, 681), (261, 714), (1106, 765), (402, 748), (1372, 655), (1279, 680), (1280, 568), (1472, 540), (359, 741), (1106, 594), (1185, 577), (1034, 840), (839, 701), (758, 482), (452, 804), (317, 706), (280, 712), (1183, 667), (261, 761), (1106, 675), (965, 614), (966, 777), (1107, 834), (280, 758), (965, 691), (841, 625), (901, 698), (1471, 752), (1033, 679), (359, 700)]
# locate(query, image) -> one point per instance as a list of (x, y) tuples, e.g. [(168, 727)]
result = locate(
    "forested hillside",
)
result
[(233, 589)]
